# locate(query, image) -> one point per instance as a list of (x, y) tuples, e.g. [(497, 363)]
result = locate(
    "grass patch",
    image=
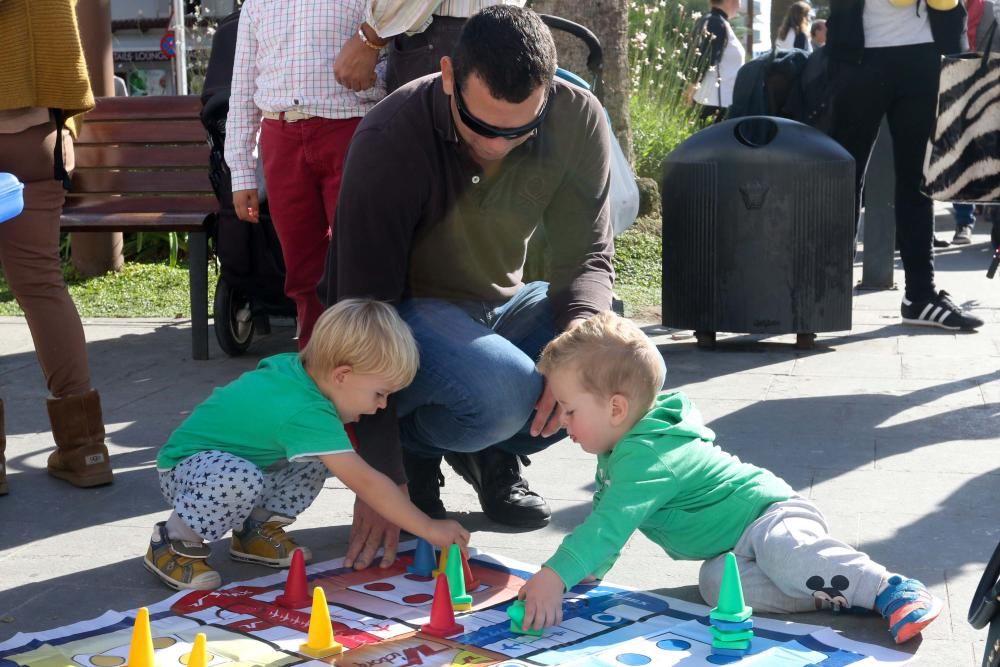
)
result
[(638, 267), (139, 290), (159, 290), (663, 68)]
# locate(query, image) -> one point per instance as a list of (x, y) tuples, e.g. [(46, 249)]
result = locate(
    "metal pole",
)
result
[(180, 50), (750, 53), (880, 216)]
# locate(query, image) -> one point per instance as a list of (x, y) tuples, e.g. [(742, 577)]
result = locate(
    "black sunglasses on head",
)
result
[(492, 131)]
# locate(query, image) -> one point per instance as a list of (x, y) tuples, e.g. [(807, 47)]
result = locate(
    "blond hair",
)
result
[(367, 335), (611, 356)]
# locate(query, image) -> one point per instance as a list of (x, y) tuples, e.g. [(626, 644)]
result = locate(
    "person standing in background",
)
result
[(817, 33), (887, 63), (416, 34), (794, 31), (720, 56), (965, 214), (283, 86), (44, 89)]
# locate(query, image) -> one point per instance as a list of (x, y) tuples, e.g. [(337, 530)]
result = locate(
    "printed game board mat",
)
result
[(377, 614)]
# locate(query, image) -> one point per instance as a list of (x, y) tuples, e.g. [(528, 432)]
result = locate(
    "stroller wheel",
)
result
[(234, 325)]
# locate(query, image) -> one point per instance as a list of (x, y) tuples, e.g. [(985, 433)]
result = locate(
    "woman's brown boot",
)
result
[(81, 458)]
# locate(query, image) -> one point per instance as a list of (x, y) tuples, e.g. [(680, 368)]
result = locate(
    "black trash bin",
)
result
[(758, 231)]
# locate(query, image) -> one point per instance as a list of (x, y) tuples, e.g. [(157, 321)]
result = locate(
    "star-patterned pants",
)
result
[(214, 492)]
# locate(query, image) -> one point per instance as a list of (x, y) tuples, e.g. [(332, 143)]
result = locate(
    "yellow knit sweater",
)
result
[(41, 59)]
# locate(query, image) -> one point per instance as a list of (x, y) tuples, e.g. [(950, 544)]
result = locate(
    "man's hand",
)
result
[(542, 597), (247, 205), (548, 414), (369, 532), (354, 67)]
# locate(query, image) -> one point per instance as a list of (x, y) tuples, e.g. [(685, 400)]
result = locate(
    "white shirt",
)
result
[(888, 25), (284, 62), (716, 88), (392, 17)]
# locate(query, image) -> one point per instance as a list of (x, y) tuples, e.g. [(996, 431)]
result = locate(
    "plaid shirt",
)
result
[(392, 17), (284, 62)]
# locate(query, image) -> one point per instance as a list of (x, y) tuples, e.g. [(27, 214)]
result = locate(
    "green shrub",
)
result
[(661, 63)]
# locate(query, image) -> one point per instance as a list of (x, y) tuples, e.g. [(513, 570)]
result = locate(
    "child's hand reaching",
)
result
[(444, 533), (542, 597)]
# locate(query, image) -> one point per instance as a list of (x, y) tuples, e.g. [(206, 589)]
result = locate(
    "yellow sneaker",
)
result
[(178, 564), (266, 543)]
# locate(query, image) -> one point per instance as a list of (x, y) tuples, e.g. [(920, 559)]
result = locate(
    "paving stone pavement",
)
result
[(894, 431)]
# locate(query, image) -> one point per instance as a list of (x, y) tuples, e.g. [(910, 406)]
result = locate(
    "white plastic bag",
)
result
[(624, 195)]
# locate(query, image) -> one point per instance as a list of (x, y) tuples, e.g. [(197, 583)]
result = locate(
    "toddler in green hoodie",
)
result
[(659, 471)]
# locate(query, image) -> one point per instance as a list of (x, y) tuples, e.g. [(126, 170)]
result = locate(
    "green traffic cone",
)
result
[(731, 606), (456, 580)]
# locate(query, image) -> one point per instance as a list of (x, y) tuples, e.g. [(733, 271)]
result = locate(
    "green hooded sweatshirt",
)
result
[(667, 478)]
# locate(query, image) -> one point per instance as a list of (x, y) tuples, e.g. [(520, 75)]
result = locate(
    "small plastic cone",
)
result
[(471, 583), (442, 615), (199, 652), (296, 593), (442, 563), (140, 651), (731, 606), (456, 580), (516, 614), (321, 643), (423, 559)]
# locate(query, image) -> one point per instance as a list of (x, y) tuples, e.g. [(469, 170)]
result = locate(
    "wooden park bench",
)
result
[(142, 166)]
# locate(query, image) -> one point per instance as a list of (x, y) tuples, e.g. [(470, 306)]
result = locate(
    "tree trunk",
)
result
[(608, 19), (96, 253)]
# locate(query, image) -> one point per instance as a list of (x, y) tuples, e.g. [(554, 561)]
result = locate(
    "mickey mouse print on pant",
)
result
[(829, 596)]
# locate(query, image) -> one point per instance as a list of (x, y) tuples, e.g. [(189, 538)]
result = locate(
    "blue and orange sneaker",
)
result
[(908, 606)]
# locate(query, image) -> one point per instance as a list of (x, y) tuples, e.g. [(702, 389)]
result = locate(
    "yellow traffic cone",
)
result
[(198, 657), (321, 642), (140, 651)]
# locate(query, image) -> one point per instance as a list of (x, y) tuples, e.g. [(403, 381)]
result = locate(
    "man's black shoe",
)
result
[(503, 494), (424, 482)]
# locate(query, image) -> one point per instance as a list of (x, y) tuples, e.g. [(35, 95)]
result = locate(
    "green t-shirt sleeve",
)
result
[(639, 484), (313, 431)]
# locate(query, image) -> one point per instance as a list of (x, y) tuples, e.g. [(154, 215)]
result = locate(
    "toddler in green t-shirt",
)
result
[(256, 453), (659, 471)]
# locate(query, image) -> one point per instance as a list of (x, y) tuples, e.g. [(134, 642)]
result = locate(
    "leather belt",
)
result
[(287, 116)]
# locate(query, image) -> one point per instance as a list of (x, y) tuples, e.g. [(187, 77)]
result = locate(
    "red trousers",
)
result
[(303, 163)]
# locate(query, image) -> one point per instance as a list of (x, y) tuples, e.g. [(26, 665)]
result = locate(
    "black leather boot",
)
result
[(424, 482), (503, 493)]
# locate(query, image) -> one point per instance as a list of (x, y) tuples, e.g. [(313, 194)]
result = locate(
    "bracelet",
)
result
[(367, 42)]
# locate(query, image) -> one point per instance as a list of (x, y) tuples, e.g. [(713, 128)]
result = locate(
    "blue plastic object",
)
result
[(423, 560), (11, 198)]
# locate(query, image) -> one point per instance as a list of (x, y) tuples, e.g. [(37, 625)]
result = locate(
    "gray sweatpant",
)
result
[(214, 492), (789, 563)]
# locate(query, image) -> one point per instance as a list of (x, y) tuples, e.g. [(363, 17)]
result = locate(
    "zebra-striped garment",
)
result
[(962, 162)]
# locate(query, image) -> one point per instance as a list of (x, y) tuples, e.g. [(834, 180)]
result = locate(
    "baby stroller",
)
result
[(249, 290), (985, 609)]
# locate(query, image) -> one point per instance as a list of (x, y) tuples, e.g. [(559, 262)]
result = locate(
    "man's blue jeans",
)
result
[(477, 384)]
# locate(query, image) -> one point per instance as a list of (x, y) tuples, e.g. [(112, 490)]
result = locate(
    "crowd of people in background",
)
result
[(887, 54)]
